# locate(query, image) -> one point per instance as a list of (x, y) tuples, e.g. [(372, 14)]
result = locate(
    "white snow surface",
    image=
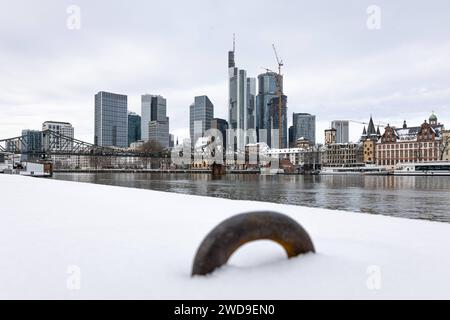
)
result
[(140, 244)]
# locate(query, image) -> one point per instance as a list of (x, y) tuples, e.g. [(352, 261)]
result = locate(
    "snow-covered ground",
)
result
[(71, 240)]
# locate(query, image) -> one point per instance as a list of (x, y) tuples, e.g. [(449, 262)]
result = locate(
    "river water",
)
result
[(411, 197)]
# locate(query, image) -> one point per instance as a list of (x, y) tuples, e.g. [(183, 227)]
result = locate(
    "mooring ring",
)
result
[(228, 236)]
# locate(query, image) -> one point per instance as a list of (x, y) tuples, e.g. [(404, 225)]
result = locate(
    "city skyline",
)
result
[(324, 75)]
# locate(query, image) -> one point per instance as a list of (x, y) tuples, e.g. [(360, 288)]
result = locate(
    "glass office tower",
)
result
[(242, 103), (201, 112), (111, 120), (153, 108), (342, 130), (304, 126), (134, 128), (266, 102)]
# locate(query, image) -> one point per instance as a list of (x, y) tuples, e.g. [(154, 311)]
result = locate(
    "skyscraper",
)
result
[(267, 107), (274, 114), (291, 137), (134, 128), (171, 140), (159, 131), (251, 103), (153, 108), (31, 145), (154, 121), (304, 126), (342, 130), (201, 112), (242, 104), (111, 119), (267, 90), (222, 126)]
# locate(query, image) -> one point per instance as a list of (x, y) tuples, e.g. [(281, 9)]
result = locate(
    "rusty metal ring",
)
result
[(228, 236)]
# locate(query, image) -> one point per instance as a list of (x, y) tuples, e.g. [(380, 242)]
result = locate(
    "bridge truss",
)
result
[(50, 143)]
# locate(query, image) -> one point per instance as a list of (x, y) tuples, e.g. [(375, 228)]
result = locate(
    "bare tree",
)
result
[(151, 147)]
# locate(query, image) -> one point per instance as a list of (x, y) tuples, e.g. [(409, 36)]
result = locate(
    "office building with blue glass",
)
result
[(111, 120)]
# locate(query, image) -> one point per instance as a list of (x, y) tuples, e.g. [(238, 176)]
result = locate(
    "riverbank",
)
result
[(134, 243), (151, 171)]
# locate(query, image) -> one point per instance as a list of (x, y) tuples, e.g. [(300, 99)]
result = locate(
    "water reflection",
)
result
[(412, 197)]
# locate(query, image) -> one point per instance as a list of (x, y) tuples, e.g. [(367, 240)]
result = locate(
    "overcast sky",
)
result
[(335, 66)]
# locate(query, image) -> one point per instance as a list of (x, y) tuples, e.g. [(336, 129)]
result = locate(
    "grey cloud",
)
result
[(335, 67)]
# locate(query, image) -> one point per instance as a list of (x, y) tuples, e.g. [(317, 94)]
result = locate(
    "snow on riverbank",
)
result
[(131, 243)]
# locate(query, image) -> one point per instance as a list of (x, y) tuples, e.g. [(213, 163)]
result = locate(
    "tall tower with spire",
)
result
[(369, 139), (231, 62), (241, 102)]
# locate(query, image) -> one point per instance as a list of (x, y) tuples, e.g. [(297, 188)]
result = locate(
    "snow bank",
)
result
[(131, 243)]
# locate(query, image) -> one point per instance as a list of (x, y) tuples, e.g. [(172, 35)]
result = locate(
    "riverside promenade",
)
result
[(67, 240)]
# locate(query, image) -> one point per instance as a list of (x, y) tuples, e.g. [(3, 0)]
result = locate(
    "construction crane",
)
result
[(280, 96), (366, 123)]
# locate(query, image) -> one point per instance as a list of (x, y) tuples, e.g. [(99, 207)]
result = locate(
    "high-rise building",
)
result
[(342, 130), (154, 121), (222, 126), (32, 144), (111, 120), (304, 126), (201, 112), (267, 90), (251, 103), (171, 141), (291, 137), (56, 142), (266, 103), (153, 108), (274, 113), (134, 127), (242, 103), (159, 131)]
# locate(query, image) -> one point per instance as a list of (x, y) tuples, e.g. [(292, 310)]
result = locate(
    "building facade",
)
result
[(251, 103), (342, 155), (342, 130), (274, 114), (369, 139), (111, 120), (171, 141), (222, 126), (153, 108), (410, 144), (304, 126), (291, 137), (268, 85), (201, 113), (32, 144), (330, 136), (154, 120), (445, 145), (63, 128), (134, 128), (241, 103), (159, 131)]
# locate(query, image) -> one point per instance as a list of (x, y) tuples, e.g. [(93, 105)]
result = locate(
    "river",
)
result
[(425, 198)]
